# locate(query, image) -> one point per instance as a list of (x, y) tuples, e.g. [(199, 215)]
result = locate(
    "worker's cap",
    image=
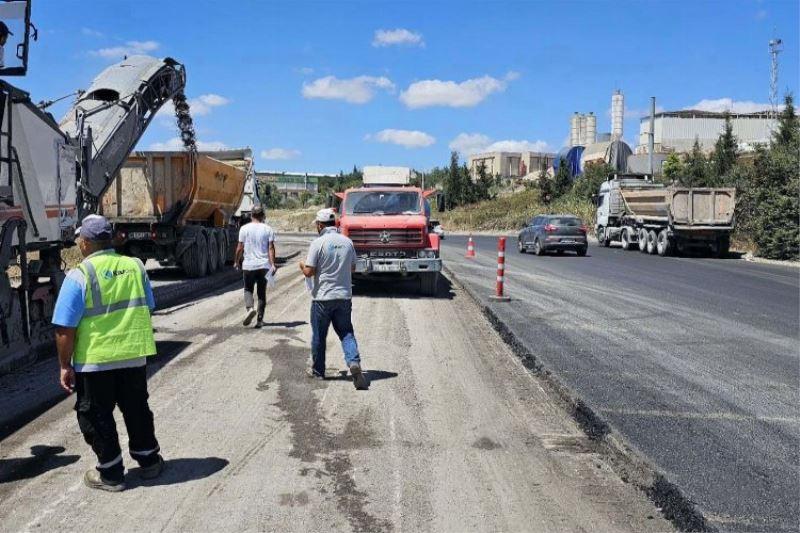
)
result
[(4, 29), (94, 228), (326, 216)]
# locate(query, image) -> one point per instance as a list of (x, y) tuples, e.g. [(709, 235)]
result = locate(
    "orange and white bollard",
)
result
[(470, 247), (499, 294)]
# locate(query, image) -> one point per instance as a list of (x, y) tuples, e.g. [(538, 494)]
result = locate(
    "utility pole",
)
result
[(651, 141), (775, 48)]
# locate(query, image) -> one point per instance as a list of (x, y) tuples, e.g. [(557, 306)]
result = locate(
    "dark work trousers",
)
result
[(98, 393), (257, 279), (337, 313)]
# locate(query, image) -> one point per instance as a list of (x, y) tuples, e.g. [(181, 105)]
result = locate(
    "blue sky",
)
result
[(321, 86)]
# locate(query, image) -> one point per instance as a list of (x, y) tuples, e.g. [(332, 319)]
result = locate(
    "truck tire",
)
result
[(643, 240), (428, 283), (663, 244), (652, 238), (625, 238), (213, 252), (222, 247), (723, 246), (194, 259)]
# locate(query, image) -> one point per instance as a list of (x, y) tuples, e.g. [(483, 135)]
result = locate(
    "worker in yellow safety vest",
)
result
[(104, 334)]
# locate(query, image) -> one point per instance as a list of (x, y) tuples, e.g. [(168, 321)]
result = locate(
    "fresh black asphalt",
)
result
[(695, 361)]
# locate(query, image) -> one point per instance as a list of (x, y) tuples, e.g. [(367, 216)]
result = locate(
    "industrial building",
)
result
[(511, 164), (294, 183), (676, 131)]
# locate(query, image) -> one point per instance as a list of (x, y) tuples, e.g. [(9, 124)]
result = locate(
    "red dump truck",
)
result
[(180, 208), (389, 222)]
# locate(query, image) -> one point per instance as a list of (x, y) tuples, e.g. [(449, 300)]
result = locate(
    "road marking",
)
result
[(704, 416)]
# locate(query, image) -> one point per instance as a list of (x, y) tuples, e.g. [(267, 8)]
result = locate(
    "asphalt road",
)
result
[(453, 434), (693, 360)]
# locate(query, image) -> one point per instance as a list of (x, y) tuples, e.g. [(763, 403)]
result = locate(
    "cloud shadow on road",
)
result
[(43, 459), (180, 470)]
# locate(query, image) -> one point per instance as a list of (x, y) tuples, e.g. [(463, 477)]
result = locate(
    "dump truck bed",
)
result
[(176, 187), (682, 206)]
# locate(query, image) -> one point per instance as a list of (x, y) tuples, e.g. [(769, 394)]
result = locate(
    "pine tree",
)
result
[(562, 181), (772, 196), (544, 184), (696, 167), (723, 159)]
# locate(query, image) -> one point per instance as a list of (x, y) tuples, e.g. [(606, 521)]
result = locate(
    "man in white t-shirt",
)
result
[(255, 255)]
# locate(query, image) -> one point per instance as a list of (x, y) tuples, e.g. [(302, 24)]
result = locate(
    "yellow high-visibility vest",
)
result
[(116, 324)]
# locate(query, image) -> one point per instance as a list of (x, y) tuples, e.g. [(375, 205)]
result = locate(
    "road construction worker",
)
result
[(104, 334), (330, 262), (255, 256)]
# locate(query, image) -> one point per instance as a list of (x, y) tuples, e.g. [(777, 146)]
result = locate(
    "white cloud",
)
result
[(89, 32), (199, 107), (305, 70), (728, 104), (469, 143), (279, 153), (397, 37), (176, 145), (407, 138), (469, 93), (131, 48), (473, 143), (359, 90), (512, 75)]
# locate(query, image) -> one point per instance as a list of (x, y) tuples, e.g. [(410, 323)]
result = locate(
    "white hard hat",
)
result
[(325, 215)]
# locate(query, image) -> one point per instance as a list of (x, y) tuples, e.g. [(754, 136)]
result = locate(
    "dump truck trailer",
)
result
[(179, 208), (656, 218)]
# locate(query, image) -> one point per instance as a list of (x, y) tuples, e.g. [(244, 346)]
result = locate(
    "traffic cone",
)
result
[(470, 247)]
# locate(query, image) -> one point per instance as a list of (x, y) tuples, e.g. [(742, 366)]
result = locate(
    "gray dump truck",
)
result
[(664, 219)]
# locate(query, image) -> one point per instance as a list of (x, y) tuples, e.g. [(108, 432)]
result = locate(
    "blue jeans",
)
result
[(323, 314)]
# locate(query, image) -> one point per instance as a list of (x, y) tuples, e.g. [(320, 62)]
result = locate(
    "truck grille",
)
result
[(386, 237)]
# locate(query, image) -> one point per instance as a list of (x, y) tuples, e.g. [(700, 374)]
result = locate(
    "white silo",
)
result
[(617, 114), (574, 138), (591, 129)]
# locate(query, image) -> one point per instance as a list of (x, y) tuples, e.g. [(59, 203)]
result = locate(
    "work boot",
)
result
[(95, 480), (359, 379), (249, 315), (152, 471)]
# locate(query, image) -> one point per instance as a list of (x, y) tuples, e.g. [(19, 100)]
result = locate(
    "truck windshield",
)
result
[(382, 203)]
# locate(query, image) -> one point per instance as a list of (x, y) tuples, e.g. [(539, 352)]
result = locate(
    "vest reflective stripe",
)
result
[(116, 324)]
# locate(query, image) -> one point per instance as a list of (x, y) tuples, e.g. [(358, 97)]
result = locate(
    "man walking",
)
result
[(331, 260), (104, 334), (255, 255)]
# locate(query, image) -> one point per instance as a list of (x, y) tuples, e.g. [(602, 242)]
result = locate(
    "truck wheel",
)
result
[(723, 246), (195, 258), (651, 242), (222, 247), (213, 252), (600, 232), (428, 283), (663, 244), (642, 240), (625, 238)]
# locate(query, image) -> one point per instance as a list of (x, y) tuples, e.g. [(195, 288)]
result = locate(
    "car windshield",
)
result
[(565, 221), (382, 203)]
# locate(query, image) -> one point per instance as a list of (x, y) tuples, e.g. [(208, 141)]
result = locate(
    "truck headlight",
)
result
[(426, 254)]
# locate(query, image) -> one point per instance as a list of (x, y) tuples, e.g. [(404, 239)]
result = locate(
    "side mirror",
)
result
[(441, 205), (329, 201), (594, 200)]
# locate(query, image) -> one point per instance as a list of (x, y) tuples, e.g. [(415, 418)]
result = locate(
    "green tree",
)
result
[(770, 201), (724, 157), (544, 184), (483, 184), (454, 187), (588, 184), (673, 168), (562, 181), (695, 168)]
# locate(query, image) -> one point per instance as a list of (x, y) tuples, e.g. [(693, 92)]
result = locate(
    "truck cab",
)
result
[(389, 225)]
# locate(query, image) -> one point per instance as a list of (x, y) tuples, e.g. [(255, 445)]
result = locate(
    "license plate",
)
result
[(139, 235), (567, 241), (390, 267)]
